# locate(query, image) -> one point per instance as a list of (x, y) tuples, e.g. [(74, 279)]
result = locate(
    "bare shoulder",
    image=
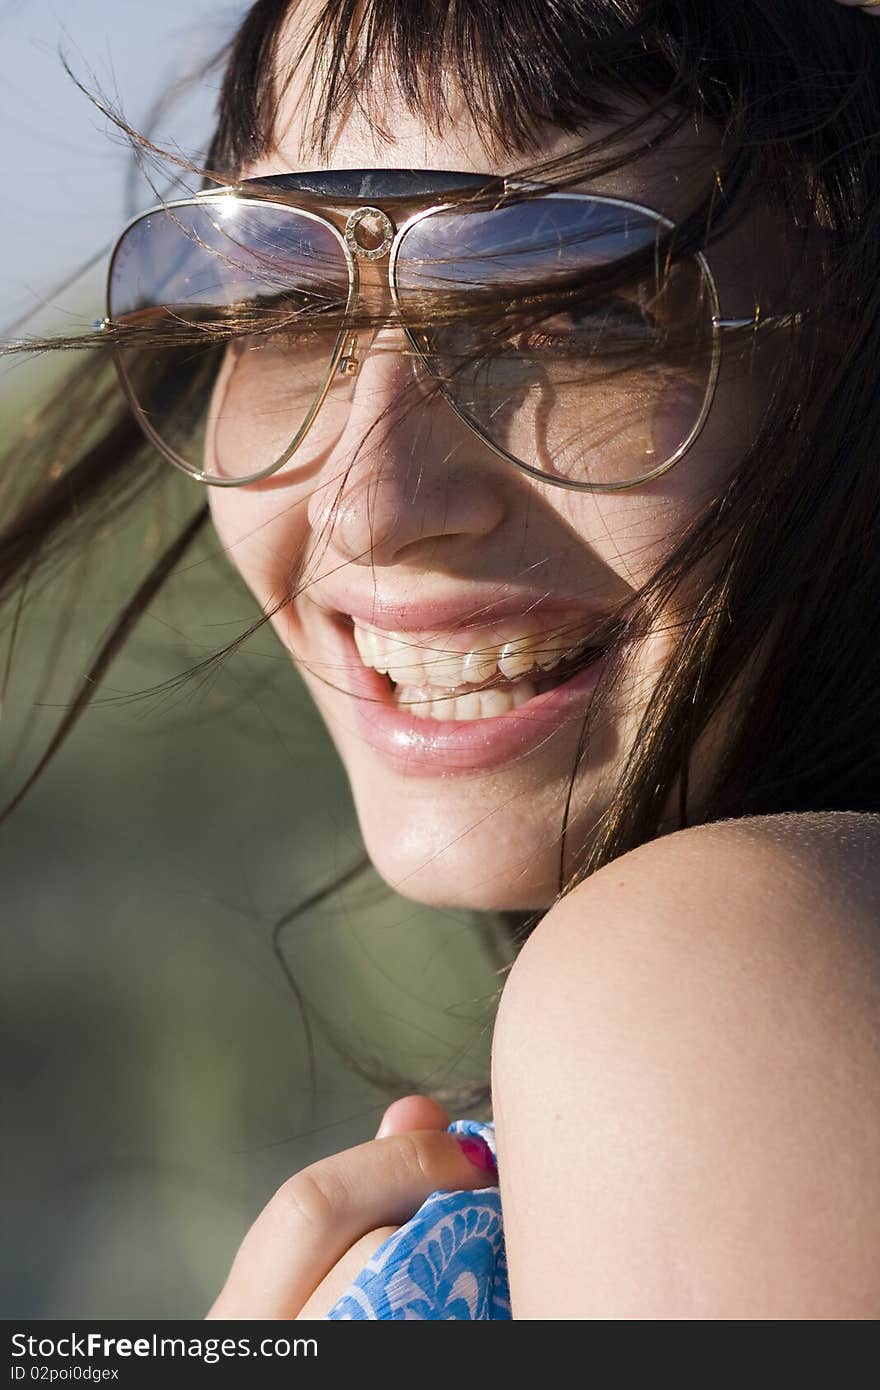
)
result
[(832, 855), (762, 876), (693, 1035)]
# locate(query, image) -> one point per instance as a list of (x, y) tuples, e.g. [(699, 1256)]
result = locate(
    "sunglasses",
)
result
[(553, 323)]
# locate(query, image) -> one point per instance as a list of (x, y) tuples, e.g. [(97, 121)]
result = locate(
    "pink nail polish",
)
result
[(477, 1152)]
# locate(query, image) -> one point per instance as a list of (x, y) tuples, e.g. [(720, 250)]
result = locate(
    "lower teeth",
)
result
[(475, 704)]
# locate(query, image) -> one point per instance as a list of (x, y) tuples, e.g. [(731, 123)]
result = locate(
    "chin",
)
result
[(427, 858)]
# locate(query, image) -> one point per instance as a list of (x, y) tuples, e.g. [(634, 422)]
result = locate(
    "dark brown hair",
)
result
[(790, 545)]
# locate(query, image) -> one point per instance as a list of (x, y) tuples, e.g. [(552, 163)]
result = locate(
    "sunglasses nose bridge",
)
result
[(375, 319)]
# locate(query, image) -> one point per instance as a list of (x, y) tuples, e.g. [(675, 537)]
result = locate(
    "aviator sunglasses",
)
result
[(551, 322)]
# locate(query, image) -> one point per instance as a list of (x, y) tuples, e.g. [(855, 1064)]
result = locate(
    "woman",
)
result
[(560, 488)]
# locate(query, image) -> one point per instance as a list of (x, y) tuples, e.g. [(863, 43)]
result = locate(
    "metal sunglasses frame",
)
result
[(341, 200)]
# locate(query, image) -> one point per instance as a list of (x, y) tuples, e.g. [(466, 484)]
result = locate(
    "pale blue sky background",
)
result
[(65, 178)]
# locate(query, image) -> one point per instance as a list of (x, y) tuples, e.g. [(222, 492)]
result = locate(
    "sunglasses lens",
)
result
[(599, 373), (231, 317)]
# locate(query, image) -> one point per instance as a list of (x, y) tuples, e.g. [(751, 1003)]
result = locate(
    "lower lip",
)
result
[(443, 748)]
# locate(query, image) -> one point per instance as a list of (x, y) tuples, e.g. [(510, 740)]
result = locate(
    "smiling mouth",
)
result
[(499, 670)]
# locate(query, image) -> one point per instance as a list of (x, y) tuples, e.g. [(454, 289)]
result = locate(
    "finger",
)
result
[(317, 1215), (412, 1112), (331, 1289)]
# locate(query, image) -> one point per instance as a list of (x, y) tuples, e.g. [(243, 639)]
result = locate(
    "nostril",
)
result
[(429, 545)]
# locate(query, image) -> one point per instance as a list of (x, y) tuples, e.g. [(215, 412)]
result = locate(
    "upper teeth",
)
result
[(471, 657)]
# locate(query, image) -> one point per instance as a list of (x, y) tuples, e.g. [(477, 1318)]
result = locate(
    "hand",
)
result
[(871, 9), (322, 1225)]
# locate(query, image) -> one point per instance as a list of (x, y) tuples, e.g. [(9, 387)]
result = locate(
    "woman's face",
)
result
[(428, 535)]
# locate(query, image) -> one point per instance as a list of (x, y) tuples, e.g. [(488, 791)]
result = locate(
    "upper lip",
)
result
[(448, 615)]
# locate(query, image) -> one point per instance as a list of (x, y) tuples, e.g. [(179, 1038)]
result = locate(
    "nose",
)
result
[(405, 473)]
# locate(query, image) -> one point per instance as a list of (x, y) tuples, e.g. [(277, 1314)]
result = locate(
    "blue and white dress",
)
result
[(447, 1263)]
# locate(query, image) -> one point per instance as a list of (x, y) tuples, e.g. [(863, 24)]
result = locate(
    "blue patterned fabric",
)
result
[(447, 1263)]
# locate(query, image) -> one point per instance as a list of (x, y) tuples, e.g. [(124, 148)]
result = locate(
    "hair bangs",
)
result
[(759, 72), (515, 67)]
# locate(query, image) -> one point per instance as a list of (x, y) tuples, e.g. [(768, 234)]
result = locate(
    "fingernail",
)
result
[(477, 1152), (383, 1129)]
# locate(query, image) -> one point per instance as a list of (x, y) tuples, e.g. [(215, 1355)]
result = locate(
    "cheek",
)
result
[(634, 530), (263, 534), (628, 534)]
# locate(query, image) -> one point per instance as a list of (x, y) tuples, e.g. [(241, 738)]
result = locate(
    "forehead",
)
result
[(380, 130)]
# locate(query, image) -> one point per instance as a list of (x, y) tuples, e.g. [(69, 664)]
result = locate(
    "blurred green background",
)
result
[(159, 1081)]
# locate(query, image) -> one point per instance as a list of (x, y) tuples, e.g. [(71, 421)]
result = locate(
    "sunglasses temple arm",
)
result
[(780, 320)]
